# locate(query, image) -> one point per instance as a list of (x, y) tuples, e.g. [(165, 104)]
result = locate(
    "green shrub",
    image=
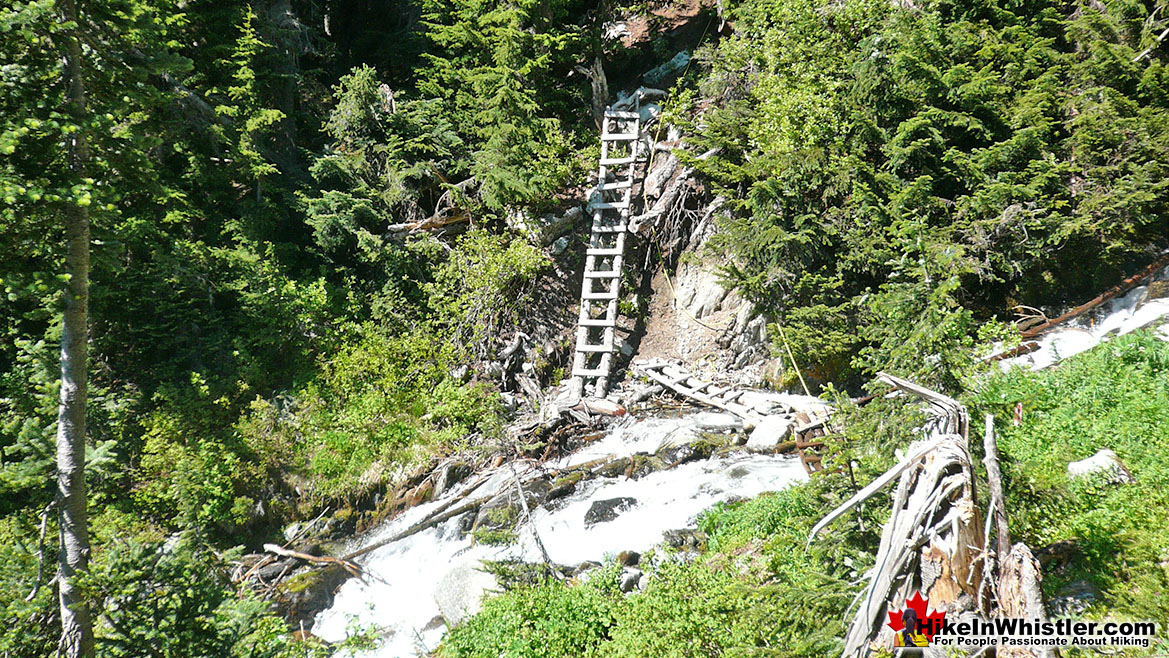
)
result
[(548, 620), (1115, 396)]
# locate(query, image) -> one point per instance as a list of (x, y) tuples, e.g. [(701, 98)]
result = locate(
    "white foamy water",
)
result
[(434, 572), (1116, 317)]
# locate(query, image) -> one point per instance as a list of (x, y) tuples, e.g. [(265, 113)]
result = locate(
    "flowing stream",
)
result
[(415, 582), (1115, 317)]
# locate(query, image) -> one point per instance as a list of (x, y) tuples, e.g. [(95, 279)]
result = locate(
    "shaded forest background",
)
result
[(899, 175)]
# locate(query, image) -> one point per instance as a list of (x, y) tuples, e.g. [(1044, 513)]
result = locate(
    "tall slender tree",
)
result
[(76, 623)]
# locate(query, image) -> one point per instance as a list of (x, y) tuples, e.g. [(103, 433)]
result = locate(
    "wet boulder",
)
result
[(276, 569), (768, 434), (686, 539), (642, 465), (603, 511), (460, 592), (674, 455), (628, 558), (307, 593), (613, 468), (716, 422), (584, 567), (630, 579)]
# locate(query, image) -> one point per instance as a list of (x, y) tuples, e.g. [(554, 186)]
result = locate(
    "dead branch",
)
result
[(995, 478), (1147, 51), (345, 564), (40, 554)]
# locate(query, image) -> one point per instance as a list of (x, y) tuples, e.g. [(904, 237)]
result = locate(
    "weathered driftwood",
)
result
[(444, 512), (1020, 595), (682, 382), (932, 539), (994, 478)]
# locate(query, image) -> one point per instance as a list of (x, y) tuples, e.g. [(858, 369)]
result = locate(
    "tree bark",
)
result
[(1020, 595), (76, 623)]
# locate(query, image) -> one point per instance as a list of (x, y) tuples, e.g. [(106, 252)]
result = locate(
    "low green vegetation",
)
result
[(1116, 397)]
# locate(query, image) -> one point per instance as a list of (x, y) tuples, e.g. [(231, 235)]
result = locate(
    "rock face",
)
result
[(768, 434), (460, 592), (1104, 462), (602, 511), (692, 316)]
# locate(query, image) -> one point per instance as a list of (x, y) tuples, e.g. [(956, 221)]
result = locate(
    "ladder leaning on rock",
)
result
[(596, 328)]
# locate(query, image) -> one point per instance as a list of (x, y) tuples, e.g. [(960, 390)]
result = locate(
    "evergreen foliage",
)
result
[(894, 173), (266, 341)]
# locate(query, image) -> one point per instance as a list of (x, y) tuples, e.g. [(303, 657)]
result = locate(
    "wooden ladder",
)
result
[(596, 328)]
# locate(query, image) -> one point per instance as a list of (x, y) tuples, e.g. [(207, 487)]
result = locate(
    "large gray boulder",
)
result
[(1105, 463), (768, 434), (460, 592), (716, 422), (603, 511)]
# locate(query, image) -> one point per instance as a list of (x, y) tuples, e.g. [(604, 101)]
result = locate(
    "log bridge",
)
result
[(808, 428)]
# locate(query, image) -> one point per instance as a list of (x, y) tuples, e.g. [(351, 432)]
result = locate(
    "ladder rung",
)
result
[(588, 372), (610, 162), (621, 114), (619, 137), (610, 205), (616, 228), (619, 185), (595, 348), (602, 274), (604, 294), (599, 251), (597, 322)]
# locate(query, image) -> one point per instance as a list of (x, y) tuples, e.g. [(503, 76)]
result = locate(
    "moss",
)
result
[(491, 537)]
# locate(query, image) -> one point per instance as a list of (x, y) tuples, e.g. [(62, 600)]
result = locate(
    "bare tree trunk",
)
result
[(994, 477), (1020, 595), (600, 84), (76, 623)]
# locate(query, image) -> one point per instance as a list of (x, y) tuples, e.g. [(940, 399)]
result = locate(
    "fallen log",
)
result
[(1119, 289), (344, 563), (425, 524)]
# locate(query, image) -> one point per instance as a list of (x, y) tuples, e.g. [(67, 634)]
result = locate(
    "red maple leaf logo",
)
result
[(931, 622)]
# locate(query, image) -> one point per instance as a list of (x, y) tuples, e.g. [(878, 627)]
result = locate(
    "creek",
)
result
[(416, 585)]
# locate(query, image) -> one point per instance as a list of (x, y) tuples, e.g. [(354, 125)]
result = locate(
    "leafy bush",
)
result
[(548, 620), (484, 285)]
